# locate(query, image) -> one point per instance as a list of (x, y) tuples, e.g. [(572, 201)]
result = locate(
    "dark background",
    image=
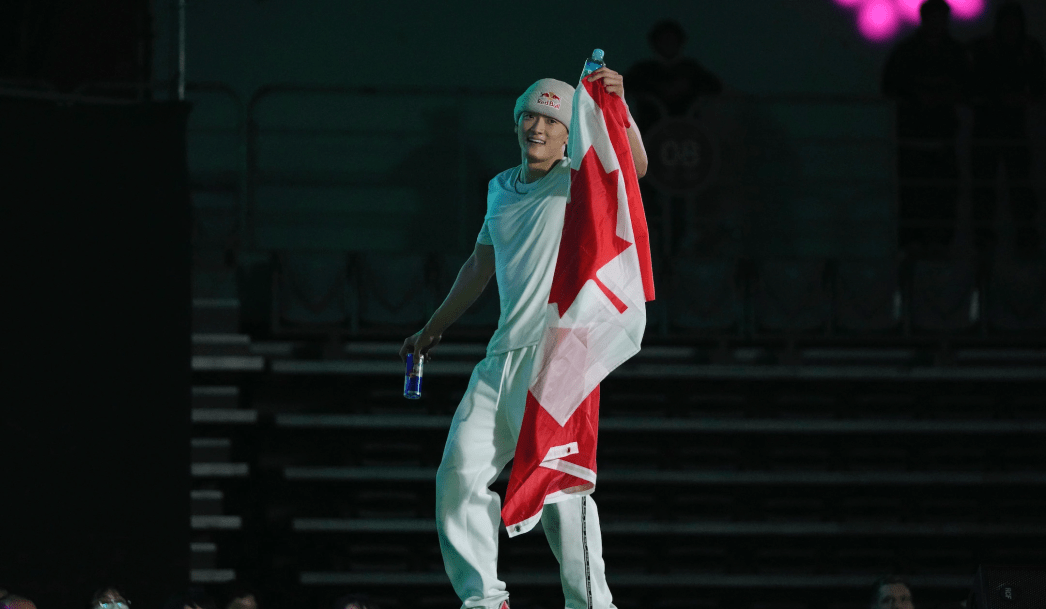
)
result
[(105, 185), (95, 421)]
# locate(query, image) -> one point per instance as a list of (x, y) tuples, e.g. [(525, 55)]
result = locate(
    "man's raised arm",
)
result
[(615, 83), (472, 279)]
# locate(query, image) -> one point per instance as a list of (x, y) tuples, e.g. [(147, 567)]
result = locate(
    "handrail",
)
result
[(267, 91)]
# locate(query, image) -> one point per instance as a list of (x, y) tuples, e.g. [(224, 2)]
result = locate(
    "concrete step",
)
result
[(211, 458), (215, 315), (216, 523), (221, 344), (212, 576), (673, 580), (702, 528), (203, 555), (224, 416), (206, 502), (700, 478), (204, 396), (691, 425)]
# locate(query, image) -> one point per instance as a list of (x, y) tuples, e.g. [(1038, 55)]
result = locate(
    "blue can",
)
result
[(412, 377)]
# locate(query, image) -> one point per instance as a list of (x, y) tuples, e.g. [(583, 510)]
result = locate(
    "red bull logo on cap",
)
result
[(549, 99)]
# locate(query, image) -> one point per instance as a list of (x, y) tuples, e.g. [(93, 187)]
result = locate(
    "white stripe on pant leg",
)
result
[(584, 548), (576, 543)]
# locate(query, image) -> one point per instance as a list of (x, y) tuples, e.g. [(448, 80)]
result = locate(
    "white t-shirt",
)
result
[(524, 223)]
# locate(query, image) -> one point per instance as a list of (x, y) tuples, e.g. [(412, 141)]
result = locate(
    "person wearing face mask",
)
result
[(518, 244), (109, 598)]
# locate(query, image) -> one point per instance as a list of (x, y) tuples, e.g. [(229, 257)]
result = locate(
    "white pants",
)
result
[(481, 441)]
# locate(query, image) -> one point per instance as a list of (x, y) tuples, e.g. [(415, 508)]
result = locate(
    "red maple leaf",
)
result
[(590, 238)]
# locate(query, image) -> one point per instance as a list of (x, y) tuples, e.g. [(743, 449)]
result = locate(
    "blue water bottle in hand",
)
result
[(593, 63), (412, 377)]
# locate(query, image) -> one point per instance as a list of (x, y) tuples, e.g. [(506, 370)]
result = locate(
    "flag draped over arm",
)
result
[(596, 312)]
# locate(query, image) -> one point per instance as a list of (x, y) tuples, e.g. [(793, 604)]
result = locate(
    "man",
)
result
[(891, 592), (927, 75), (675, 81), (519, 243), (109, 598)]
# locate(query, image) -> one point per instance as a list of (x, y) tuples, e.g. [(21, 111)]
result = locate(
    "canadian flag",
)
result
[(596, 312)]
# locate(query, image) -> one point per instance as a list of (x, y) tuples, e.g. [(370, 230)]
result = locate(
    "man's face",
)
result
[(541, 138), (894, 596), (668, 44), (935, 23), (111, 599), (1011, 30)]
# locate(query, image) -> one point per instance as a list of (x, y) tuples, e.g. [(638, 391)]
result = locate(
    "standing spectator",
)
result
[(1008, 74), (668, 87), (670, 83), (891, 592), (926, 74)]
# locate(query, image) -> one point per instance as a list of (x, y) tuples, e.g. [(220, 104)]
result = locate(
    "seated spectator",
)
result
[(354, 601), (241, 596), (891, 592), (13, 601), (109, 598), (193, 598)]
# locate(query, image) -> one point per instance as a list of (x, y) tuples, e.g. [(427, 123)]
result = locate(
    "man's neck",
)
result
[(532, 172)]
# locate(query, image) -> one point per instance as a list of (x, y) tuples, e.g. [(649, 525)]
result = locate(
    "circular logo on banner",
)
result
[(1007, 592), (683, 158)]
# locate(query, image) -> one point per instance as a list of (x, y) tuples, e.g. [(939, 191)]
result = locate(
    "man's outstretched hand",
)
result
[(419, 344)]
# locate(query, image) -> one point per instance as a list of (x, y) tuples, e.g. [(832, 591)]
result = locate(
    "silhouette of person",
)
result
[(665, 87), (669, 84), (1008, 73), (927, 74)]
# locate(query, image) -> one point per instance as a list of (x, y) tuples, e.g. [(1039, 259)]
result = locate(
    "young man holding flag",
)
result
[(566, 239)]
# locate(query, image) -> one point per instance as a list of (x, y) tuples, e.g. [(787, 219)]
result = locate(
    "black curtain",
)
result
[(94, 481)]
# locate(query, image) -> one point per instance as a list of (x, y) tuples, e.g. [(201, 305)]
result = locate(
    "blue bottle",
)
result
[(412, 377), (593, 63)]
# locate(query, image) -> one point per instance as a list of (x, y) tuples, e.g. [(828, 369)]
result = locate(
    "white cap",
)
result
[(547, 96)]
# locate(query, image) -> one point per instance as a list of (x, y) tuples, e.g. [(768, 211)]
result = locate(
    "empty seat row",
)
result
[(394, 291), (817, 295)]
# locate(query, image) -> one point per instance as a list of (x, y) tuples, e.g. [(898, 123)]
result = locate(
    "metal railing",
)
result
[(248, 128)]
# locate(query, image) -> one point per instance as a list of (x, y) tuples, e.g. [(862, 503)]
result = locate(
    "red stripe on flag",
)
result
[(615, 113), (530, 483)]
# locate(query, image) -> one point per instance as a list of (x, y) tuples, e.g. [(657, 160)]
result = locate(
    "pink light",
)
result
[(909, 10), (967, 9), (878, 20)]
